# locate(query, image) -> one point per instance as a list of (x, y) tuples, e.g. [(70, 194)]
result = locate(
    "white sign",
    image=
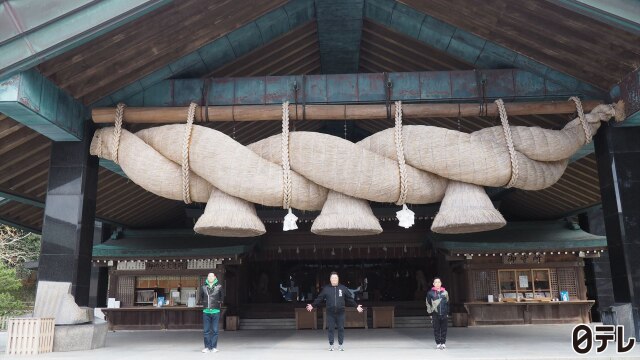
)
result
[(524, 281), (131, 265), (203, 263)]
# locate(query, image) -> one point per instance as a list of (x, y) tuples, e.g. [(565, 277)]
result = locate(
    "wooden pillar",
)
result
[(582, 286)]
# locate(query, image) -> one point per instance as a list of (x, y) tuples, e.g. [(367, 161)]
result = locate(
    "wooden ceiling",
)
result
[(114, 60), (383, 49), (566, 41), (296, 52)]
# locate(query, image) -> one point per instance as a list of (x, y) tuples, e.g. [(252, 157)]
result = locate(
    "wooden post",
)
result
[(165, 115)]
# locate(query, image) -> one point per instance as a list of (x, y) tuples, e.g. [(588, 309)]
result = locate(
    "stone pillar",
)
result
[(67, 231), (597, 270), (618, 157), (99, 275)]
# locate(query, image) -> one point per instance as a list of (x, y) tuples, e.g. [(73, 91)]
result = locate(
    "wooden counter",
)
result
[(306, 319), (383, 316), (154, 318), (529, 312), (352, 319)]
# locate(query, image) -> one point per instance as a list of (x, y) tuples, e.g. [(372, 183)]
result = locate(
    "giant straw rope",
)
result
[(410, 164)]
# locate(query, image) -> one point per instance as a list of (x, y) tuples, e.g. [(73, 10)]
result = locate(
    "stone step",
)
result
[(416, 322), (267, 324)]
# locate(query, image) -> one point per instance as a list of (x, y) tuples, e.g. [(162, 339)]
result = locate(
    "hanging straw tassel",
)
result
[(406, 217), (228, 216), (466, 208), (290, 219), (343, 215)]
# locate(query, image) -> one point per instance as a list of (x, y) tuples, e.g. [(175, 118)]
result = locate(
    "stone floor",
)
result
[(490, 342)]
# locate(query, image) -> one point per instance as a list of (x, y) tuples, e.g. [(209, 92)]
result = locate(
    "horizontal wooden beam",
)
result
[(432, 86), (21, 198), (333, 112), (35, 101), (23, 227), (628, 90)]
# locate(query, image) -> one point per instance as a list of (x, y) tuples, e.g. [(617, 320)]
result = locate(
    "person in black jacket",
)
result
[(211, 296), (336, 297), (438, 306)]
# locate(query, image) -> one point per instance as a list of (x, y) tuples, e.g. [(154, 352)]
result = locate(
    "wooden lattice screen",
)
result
[(568, 280), (126, 290), (485, 283)]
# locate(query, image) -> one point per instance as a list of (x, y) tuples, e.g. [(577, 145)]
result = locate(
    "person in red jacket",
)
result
[(438, 306), (336, 297)]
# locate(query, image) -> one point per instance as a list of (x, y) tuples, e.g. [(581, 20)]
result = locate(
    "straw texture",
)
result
[(436, 160)]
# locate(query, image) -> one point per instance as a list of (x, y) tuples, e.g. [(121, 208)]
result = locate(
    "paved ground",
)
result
[(506, 342)]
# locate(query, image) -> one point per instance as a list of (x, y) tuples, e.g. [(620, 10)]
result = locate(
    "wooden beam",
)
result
[(332, 112), (628, 90), (20, 226), (25, 152), (135, 198), (39, 185), (31, 169), (31, 201), (35, 101), (339, 34), (21, 198), (432, 86), (22, 136)]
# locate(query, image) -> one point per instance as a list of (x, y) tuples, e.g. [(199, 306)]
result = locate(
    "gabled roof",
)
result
[(179, 246), (521, 236)]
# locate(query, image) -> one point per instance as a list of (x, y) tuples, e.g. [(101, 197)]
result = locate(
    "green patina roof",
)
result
[(522, 236), (179, 246)]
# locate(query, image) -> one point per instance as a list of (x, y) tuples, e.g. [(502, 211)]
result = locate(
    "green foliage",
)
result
[(10, 286), (17, 246)]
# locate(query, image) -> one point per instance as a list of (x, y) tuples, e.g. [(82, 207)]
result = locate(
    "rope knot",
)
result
[(507, 135), (583, 121), (186, 144)]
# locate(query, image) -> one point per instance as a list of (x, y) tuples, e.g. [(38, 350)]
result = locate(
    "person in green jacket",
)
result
[(211, 296)]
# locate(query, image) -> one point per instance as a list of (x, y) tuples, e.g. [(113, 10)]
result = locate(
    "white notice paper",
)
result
[(524, 281)]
